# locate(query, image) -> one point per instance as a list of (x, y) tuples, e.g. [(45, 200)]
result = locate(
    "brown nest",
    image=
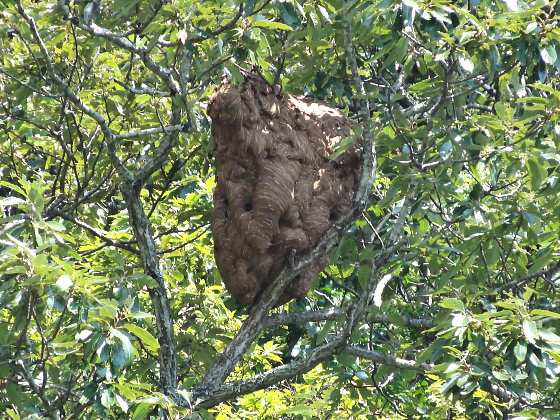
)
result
[(276, 188)]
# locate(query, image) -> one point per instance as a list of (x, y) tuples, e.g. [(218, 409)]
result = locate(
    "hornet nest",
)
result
[(276, 189)]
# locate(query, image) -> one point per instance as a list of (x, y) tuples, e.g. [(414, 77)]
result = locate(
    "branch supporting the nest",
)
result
[(249, 331), (272, 376)]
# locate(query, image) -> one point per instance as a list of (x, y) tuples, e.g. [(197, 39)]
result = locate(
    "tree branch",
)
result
[(95, 232), (222, 28), (387, 359), (120, 40), (150, 131), (270, 377), (238, 346), (74, 98), (552, 270), (162, 308), (303, 317), (143, 90), (332, 314)]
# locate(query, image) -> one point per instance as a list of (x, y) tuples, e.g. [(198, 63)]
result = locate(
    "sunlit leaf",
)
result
[(272, 25), (451, 303), (530, 331), (147, 339)]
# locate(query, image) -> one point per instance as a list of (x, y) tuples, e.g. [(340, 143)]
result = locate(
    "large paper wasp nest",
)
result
[(276, 190)]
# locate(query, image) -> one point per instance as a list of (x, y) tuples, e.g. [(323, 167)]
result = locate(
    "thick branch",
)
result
[(298, 367), (248, 332), (271, 377), (162, 308), (303, 317)]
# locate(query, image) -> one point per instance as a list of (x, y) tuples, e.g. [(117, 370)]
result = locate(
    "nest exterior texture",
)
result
[(276, 191)]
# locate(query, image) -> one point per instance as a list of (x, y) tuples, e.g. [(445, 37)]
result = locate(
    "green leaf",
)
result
[(143, 280), (342, 146), (107, 398), (64, 282), (117, 356), (11, 201), (536, 361), (446, 150), (544, 313), (549, 336), (271, 25), (108, 311), (396, 319), (520, 351), (427, 84), (14, 187), (346, 359), (142, 410), (145, 337), (537, 173), (460, 320), (392, 195), (452, 303), (56, 226), (401, 49), (325, 331), (289, 13), (530, 331), (126, 346), (125, 391), (450, 382), (548, 54), (121, 403), (452, 367), (302, 410), (362, 375), (541, 261), (11, 413), (465, 62)]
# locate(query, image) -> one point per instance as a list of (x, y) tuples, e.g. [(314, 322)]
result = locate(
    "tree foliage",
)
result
[(441, 300)]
